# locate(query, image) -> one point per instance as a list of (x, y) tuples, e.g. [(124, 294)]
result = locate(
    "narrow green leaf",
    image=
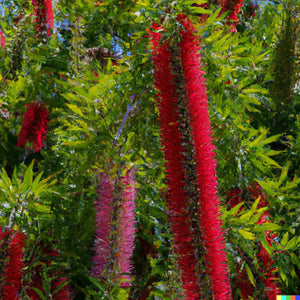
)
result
[(284, 173), (75, 109), (36, 181), (6, 179), (265, 244), (250, 275), (28, 175), (269, 161), (200, 10), (284, 239), (293, 243), (247, 235), (271, 139), (271, 226)]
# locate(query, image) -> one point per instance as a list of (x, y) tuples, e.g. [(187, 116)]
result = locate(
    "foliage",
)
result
[(94, 74)]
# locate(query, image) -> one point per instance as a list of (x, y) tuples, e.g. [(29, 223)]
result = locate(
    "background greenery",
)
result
[(253, 89)]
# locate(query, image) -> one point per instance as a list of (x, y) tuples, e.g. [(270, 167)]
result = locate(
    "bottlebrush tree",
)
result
[(138, 159)]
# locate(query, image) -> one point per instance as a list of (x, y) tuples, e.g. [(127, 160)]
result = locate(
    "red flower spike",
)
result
[(64, 293), (14, 268), (177, 200), (233, 6), (244, 284), (44, 15), (210, 221), (34, 127), (2, 40), (36, 280)]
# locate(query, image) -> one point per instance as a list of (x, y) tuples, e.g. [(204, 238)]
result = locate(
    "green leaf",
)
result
[(28, 175), (293, 243), (284, 173), (250, 274), (269, 161), (265, 244), (284, 239), (235, 209), (39, 292), (271, 226), (247, 235), (43, 209), (75, 109), (36, 181), (6, 179), (200, 10), (271, 139)]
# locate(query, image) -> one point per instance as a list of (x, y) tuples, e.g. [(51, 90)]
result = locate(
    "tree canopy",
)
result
[(149, 149)]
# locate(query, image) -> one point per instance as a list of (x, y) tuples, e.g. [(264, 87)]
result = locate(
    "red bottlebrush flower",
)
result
[(177, 200), (2, 40), (14, 268), (104, 205), (63, 292), (233, 6), (228, 81), (269, 277), (210, 221), (126, 228), (34, 127), (243, 282), (58, 292), (235, 197), (44, 15)]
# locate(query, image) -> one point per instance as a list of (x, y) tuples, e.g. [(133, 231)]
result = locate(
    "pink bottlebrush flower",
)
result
[(14, 268), (104, 203), (177, 200), (44, 15), (34, 127), (126, 228), (210, 221), (2, 40)]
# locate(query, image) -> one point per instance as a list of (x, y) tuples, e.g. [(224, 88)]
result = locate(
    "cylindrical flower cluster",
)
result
[(44, 15), (34, 127), (104, 204), (210, 221), (126, 228), (177, 200), (233, 8), (14, 267), (2, 40)]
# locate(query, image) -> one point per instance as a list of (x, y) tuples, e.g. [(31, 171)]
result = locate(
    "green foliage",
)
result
[(103, 116)]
